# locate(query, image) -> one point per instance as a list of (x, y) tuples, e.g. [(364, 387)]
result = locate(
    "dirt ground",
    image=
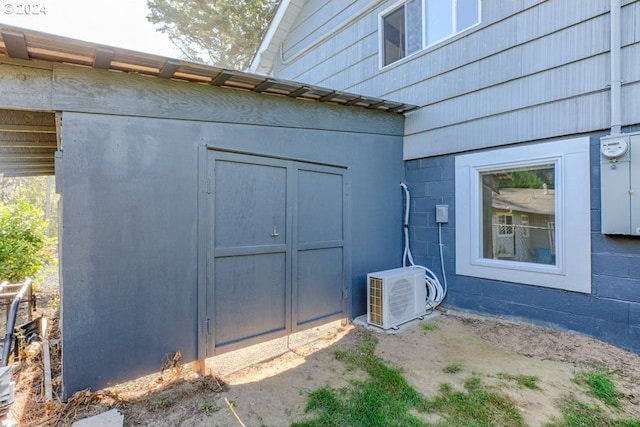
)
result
[(273, 392)]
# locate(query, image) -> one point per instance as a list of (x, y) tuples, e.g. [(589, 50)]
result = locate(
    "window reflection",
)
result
[(519, 214)]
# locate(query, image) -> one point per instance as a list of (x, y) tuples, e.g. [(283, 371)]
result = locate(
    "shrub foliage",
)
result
[(24, 245)]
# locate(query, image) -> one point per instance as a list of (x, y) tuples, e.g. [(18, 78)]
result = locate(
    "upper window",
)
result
[(523, 214), (416, 24)]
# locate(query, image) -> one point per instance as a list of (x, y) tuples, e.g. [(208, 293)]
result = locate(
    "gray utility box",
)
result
[(620, 184)]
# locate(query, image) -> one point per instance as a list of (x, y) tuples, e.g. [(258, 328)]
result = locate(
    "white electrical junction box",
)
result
[(620, 184)]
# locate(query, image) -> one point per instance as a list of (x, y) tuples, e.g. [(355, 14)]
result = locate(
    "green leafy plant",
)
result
[(55, 303), (209, 408), (24, 245)]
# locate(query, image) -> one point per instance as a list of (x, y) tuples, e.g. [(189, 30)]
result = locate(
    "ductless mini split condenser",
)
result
[(395, 296)]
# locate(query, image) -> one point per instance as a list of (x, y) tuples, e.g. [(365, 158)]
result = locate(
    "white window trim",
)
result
[(399, 3), (524, 223), (572, 270), (381, 17)]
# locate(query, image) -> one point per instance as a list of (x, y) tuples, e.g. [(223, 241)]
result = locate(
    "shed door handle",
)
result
[(274, 233)]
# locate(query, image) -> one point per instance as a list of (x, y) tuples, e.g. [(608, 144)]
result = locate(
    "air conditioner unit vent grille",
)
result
[(375, 300), (400, 297), (395, 296)]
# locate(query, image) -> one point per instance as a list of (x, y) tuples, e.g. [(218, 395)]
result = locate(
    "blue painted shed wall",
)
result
[(610, 313), (130, 239)]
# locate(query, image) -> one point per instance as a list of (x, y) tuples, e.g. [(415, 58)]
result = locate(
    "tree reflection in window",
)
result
[(518, 214)]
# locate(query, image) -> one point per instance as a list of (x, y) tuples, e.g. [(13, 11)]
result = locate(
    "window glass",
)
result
[(467, 14), (393, 30), (439, 20), (413, 19), (527, 194), (406, 29)]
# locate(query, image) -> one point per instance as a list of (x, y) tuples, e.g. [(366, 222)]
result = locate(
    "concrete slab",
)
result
[(362, 321), (228, 363), (111, 418)]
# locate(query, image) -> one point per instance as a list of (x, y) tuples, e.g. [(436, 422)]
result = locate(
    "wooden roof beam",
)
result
[(354, 101), (300, 91), (376, 104), (264, 85), (27, 128), (102, 58), (328, 97), (221, 78), (27, 144), (16, 44), (169, 68)]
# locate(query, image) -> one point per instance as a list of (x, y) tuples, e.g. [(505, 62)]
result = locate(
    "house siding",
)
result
[(610, 313), (532, 71), (540, 66)]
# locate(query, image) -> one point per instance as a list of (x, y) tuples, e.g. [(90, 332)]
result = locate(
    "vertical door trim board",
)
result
[(203, 208)]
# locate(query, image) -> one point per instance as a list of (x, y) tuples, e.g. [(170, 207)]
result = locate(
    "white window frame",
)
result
[(524, 224), (572, 269), (505, 226), (454, 17)]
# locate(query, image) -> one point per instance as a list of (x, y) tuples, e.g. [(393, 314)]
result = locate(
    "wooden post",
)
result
[(199, 367), (46, 359)]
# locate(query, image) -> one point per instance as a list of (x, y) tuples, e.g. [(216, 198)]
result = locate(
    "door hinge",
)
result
[(345, 294), (207, 186), (207, 325)]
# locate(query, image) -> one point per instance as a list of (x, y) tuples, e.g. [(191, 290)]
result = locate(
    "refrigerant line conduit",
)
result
[(435, 291)]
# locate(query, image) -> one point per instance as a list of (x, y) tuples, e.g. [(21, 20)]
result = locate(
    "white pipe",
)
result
[(616, 69), (435, 291)]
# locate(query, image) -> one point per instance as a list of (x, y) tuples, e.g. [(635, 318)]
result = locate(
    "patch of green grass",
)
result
[(453, 368), (578, 414), (384, 399), (527, 381), (601, 386), (429, 326), (478, 406)]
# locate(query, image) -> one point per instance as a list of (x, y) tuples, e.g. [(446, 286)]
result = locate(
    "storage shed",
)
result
[(199, 214)]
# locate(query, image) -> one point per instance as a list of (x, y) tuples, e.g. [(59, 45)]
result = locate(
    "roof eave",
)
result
[(21, 44)]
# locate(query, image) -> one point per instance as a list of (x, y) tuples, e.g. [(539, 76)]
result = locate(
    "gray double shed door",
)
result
[(277, 252)]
